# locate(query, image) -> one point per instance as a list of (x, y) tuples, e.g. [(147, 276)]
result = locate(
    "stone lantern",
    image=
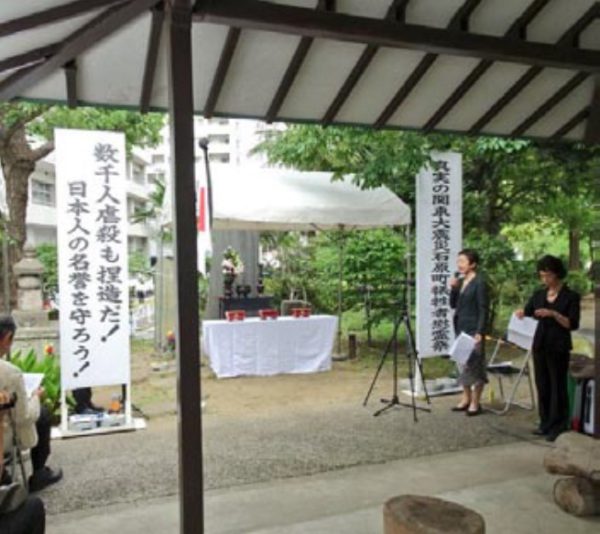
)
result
[(34, 331), (30, 305)]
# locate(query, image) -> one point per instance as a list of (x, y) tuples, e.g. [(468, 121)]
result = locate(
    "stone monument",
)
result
[(35, 330)]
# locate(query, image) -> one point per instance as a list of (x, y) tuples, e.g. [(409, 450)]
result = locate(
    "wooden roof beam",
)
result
[(28, 58), (75, 44), (231, 41), (71, 78), (574, 121), (294, 67), (158, 17), (592, 130), (53, 14), (397, 13), (291, 20), (565, 42), (458, 21), (550, 103), (518, 30)]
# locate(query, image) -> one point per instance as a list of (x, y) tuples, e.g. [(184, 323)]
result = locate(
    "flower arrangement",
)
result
[(232, 262), (171, 341)]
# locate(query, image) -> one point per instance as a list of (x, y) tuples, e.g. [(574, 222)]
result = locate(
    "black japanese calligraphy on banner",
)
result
[(439, 238), (92, 243)]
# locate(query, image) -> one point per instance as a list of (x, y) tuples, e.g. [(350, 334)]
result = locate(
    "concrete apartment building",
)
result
[(230, 142)]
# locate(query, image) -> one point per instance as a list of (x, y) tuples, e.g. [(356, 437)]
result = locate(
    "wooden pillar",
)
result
[(181, 116), (596, 277)]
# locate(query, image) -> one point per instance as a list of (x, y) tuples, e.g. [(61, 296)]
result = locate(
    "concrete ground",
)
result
[(504, 483)]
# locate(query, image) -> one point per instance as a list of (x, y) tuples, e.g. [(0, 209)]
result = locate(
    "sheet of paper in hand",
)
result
[(462, 348), (521, 331), (32, 382)]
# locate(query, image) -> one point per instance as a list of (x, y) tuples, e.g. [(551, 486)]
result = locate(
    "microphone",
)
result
[(458, 275)]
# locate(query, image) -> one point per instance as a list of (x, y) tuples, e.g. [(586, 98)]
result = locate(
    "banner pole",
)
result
[(64, 413), (418, 378)]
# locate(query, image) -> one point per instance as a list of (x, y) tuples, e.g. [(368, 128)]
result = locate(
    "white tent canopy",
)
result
[(281, 199)]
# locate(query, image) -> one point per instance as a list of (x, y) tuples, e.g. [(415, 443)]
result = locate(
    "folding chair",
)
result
[(502, 370)]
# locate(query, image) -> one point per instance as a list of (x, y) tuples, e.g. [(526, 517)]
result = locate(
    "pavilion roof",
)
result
[(501, 67)]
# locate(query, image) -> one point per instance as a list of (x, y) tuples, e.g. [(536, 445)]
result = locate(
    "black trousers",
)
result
[(29, 518), (40, 453), (551, 370), (83, 399)]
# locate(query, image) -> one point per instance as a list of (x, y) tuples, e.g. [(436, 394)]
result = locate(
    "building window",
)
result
[(219, 138), (219, 158), (42, 193), (218, 120), (138, 174), (134, 207), (137, 244), (158, 158)]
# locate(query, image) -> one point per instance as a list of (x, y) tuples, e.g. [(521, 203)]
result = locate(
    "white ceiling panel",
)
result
[(564, 111), (433, 89), (258, 64), (538, 91), (378, 85), (489, 89), (326, 66)]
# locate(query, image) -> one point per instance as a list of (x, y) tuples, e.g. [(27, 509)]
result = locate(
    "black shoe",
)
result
[(473, 413), (553, 434), (539, 432), (43, 478), (460, 408)]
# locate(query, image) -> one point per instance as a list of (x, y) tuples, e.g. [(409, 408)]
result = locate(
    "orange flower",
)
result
[(49, 350)]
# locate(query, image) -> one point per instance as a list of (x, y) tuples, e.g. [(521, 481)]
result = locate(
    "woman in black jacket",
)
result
[(469, 299), (557, 309)]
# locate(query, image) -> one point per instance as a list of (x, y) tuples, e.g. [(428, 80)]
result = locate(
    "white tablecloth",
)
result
[(255, 347)]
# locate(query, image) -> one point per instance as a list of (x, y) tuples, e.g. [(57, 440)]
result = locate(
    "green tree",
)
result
[(499, 174), (27, 136), (47, 254)]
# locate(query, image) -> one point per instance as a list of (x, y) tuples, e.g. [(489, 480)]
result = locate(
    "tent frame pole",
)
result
[(340, 303)]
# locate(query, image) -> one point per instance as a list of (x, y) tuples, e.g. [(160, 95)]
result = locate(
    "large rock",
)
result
[(575, 455), (577, 496), (414, 514)]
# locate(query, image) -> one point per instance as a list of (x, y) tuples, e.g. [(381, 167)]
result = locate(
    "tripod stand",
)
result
[(403, 318)]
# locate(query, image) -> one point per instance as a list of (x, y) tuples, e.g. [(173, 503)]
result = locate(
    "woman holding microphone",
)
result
[(557, 308), (469, 299)]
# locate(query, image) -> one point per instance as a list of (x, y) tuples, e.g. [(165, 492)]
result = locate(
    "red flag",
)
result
[(202, 210)]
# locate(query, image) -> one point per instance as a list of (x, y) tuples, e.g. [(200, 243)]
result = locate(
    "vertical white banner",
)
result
[(91, 206), (439, 240)]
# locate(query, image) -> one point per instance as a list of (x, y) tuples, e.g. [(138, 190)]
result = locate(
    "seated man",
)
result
[(30, 516), (31, 420)]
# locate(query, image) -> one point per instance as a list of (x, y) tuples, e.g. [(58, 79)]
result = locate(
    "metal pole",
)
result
[(203, 143), (181, 112)]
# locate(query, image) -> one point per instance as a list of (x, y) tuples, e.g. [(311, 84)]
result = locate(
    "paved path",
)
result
[(505, 483), (131, 467)]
